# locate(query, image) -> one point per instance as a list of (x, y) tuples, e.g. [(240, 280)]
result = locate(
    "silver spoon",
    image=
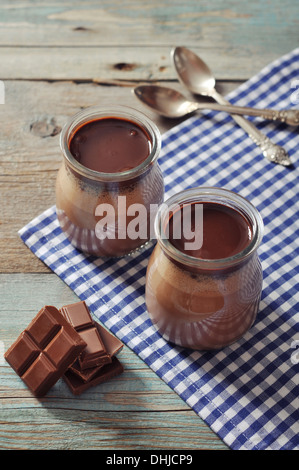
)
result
[(171, 103), (198, 78)]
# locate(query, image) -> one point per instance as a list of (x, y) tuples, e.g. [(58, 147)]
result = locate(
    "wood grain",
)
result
[(132, 39), (132, 411), (107, 64), (96, 430)]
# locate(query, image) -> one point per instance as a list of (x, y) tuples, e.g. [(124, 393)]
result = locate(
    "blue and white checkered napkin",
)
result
[(248, 392)]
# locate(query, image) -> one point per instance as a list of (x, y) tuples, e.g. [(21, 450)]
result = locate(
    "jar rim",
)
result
[(93, 113), (209, 194)]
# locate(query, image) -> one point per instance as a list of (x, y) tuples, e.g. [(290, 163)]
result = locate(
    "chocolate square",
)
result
[(95, 353), (44, 350), (112, 344)]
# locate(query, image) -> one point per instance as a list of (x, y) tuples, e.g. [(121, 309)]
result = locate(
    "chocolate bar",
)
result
[(105, 373), (95, 353), (45, 350), (112, 344)]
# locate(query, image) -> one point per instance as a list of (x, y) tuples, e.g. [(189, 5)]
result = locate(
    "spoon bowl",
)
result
[(193, 72), (163, 100)]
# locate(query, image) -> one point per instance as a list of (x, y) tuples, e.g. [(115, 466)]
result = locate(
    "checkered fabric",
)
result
[(247, 392)]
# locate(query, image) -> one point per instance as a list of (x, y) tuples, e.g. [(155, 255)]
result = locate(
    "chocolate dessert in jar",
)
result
[(203, 284), (110, 184)]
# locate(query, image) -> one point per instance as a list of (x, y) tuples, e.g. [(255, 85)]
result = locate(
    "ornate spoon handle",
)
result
[(289, 116), (274, 153)]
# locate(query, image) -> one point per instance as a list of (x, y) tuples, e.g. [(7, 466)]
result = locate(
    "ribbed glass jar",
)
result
[(204, 303), (81, 190)]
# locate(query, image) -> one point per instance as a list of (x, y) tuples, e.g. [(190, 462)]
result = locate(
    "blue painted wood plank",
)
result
[(136, 410)]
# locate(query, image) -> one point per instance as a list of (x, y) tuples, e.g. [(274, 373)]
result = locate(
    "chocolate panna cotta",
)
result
[(225, 232), (110, 156), (110, 145), (208, 296)]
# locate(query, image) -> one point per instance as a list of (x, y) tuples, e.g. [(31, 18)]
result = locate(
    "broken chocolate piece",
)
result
[(112, 344), (77, 385), (95, 353), (44, 350)]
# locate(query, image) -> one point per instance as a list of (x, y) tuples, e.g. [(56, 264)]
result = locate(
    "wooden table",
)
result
[(57, 57)]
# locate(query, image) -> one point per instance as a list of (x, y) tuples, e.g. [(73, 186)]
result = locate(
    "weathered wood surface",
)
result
[(131, 40), (56, 57), (136, 410)]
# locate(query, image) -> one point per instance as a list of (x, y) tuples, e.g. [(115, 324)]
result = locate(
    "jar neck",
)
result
[(94, 113), (208, 195)]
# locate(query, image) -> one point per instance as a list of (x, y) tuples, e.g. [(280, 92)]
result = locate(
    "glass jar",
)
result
[(204, 303), (82, 194)]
